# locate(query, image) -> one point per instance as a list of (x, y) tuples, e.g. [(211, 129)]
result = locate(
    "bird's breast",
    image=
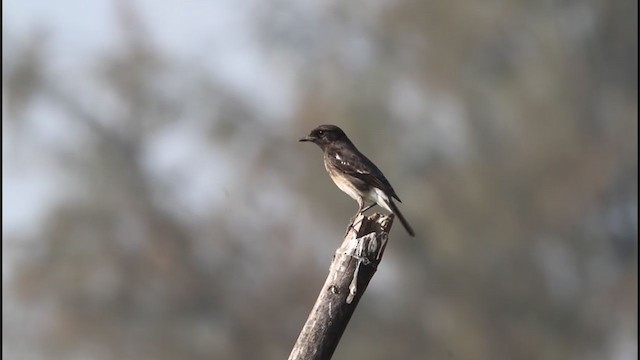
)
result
[(343, 182)]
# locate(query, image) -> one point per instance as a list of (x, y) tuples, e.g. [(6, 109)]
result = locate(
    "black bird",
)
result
[(354, 173)]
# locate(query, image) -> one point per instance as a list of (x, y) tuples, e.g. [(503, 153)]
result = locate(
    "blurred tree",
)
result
[(513, 130)]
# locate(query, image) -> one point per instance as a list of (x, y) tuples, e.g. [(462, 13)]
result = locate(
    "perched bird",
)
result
[(354, 173)]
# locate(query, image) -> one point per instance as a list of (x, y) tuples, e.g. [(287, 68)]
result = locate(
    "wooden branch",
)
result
[(353, 266)]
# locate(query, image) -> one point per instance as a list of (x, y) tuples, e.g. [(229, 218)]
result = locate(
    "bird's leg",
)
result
[(361, 210), (367, 208), (361, 206)]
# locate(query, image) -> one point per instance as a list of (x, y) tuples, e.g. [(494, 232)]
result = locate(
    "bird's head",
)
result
[(324, 135)]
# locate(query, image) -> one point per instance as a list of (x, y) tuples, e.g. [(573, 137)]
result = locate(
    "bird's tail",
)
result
[(397, 212)]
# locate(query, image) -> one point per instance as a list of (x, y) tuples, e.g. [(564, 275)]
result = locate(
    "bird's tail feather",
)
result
[(397, 212)]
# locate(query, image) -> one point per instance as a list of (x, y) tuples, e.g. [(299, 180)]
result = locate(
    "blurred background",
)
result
[(157, 205)]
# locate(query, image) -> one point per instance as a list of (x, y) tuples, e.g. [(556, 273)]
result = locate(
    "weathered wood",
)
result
[(353, 266)]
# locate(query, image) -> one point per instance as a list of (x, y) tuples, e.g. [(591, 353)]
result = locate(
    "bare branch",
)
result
[(353, 266)]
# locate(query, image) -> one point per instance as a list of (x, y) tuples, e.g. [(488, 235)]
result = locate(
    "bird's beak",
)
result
[(307, 138)]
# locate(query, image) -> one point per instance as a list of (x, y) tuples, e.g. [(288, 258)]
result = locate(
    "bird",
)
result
[(354, 173)]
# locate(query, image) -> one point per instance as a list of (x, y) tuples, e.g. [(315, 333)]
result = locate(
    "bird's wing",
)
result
[(355, 164)]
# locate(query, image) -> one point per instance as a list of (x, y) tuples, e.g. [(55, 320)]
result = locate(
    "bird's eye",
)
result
[(320, 132)]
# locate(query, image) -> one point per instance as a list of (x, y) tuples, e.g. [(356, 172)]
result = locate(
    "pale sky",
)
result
[(216, 35)]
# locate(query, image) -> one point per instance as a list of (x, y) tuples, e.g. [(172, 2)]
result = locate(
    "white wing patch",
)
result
[(345, 163)]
